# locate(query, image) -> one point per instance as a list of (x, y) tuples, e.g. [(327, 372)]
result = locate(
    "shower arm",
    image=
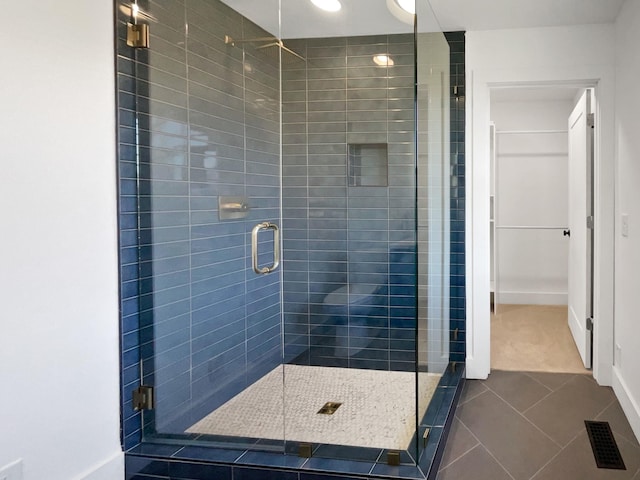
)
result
[(228, 40), (275, 42)]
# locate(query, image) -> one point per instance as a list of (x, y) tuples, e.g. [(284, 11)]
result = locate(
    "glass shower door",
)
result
[(207, 141)]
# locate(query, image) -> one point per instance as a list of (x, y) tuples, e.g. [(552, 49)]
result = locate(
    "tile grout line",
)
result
[(525, 418), (475, 396), (562, 449), (487, 450), (460, 456), (614, 431), (528, 374), (605, 408), (538, 402)]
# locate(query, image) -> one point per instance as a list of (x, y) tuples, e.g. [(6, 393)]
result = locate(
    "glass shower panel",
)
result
[(433, 219), (208, 133), (433, 200), (349, 229)]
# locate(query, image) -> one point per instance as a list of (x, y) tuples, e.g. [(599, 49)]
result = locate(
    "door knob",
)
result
[(566, 233)]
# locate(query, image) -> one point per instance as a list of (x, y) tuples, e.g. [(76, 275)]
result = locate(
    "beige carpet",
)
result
[(378, 407), (533, 338)]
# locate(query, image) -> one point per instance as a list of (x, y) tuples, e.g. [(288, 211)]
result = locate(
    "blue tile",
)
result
[(457, 357), (401, 471), (144, 477), (179, 470), (343, 452), (327, 476), (146, 466), (432, 454), (153, 450), (434, 407), (335, 465), (132, 439), (247, 473), (271, 460), (208, 454)]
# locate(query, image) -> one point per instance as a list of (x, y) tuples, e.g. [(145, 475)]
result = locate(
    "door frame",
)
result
[(477, 171)]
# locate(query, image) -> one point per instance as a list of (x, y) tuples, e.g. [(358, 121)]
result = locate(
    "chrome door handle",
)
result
[(276, 247)]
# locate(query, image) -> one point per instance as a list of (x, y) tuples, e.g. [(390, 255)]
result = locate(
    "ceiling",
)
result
[(301, 19), (500, 14)]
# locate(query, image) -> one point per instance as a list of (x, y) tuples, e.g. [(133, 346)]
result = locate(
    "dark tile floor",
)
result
[(530, 426)]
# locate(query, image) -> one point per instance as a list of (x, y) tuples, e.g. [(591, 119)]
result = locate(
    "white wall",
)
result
[(580, 56), (59, 409), (531, 190), (627, 266)]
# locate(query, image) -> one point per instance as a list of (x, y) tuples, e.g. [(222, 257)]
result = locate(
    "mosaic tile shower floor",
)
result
[(377, 411)]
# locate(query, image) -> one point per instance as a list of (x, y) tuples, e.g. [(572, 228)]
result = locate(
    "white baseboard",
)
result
[(111, 469), (629, 404), (532, 298)]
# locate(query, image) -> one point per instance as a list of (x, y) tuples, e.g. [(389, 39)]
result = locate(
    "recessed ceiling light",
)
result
[(407, 6), (383, 60), (328, 5), (403, 10)]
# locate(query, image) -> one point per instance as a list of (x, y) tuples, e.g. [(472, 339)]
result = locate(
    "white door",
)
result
[(580, 254)]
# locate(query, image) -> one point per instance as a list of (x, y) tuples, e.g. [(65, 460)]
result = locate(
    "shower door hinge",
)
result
[(590, 222), (138, 35), (393, 458), (425, 437), (143, 398), (591, 120), (590, 324)]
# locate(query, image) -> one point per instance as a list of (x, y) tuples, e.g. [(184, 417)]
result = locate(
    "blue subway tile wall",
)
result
[(198, 119), (349, 247), (457, 309)]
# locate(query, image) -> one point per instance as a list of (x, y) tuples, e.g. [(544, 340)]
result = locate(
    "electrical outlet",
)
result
[(13, 471)]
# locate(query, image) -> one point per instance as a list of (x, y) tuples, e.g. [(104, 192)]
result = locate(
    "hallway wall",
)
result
[(627, 265), (59, 408)]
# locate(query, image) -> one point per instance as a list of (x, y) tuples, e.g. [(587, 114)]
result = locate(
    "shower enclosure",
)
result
[(285, 193)]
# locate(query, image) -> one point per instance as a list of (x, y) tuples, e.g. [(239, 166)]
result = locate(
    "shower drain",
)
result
[(329, 408)]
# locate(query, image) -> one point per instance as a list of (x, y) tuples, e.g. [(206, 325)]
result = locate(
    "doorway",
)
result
[(536, 265)]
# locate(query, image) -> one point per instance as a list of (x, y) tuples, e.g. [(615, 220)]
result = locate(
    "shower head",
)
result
[(270, 48)]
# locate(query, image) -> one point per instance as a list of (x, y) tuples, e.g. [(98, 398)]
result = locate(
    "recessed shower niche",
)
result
[(368, 165), (239, 119)]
